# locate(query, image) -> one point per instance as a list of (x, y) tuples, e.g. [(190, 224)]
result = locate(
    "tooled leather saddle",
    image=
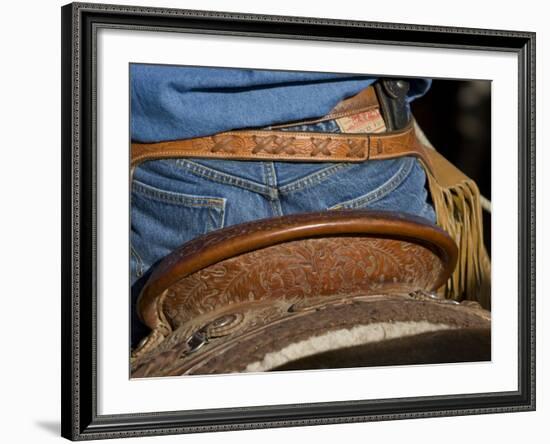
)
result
[(319, 290), (332, 289)]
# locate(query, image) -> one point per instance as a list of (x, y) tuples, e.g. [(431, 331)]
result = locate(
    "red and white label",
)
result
[(366, 122)]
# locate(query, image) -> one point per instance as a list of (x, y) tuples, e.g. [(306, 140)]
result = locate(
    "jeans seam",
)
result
[(140, 264), (314, 178), (177, 198), (383, 190), (222, 214), (217, 176), (270, 176), (209, 222)]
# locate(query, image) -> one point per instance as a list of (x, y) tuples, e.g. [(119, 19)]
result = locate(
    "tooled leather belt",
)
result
[(278, 145), (287, 146)]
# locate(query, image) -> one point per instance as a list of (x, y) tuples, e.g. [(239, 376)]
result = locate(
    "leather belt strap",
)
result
[(288, 146)]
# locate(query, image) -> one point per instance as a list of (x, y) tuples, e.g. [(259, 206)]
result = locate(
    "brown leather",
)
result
[(287, 146), (456, 200), (455, 196), (228, 298), (364, 100), (321, 254), (274, 145), (249, 335)]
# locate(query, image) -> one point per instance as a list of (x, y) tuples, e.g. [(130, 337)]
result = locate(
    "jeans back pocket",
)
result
[(161, 221)]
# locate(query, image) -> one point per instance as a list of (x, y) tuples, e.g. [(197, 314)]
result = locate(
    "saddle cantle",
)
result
[(315, 290)]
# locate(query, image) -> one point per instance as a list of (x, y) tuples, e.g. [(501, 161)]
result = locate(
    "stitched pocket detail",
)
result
[(379, 192), (161, 221), (177, 198), (221, 177)]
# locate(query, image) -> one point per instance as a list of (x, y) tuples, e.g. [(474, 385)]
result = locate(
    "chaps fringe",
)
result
[(457, 203)]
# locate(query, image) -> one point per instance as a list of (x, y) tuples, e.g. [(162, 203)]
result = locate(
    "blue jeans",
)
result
[(176, 200)]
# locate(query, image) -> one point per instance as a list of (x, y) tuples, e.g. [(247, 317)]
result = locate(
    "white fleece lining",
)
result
[(333, 340)]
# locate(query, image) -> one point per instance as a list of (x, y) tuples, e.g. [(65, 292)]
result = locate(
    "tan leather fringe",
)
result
[(457, 203)]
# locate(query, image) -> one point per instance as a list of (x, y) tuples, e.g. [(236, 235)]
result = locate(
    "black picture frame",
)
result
[(79, 385)]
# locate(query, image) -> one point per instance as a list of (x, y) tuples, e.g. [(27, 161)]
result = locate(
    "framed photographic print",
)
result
[(274, 221)]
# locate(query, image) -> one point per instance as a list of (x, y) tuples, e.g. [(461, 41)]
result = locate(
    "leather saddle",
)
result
[(331, 289)]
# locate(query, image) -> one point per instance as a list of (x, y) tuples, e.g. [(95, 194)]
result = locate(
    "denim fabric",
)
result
[(179, 102), (176, 200)]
